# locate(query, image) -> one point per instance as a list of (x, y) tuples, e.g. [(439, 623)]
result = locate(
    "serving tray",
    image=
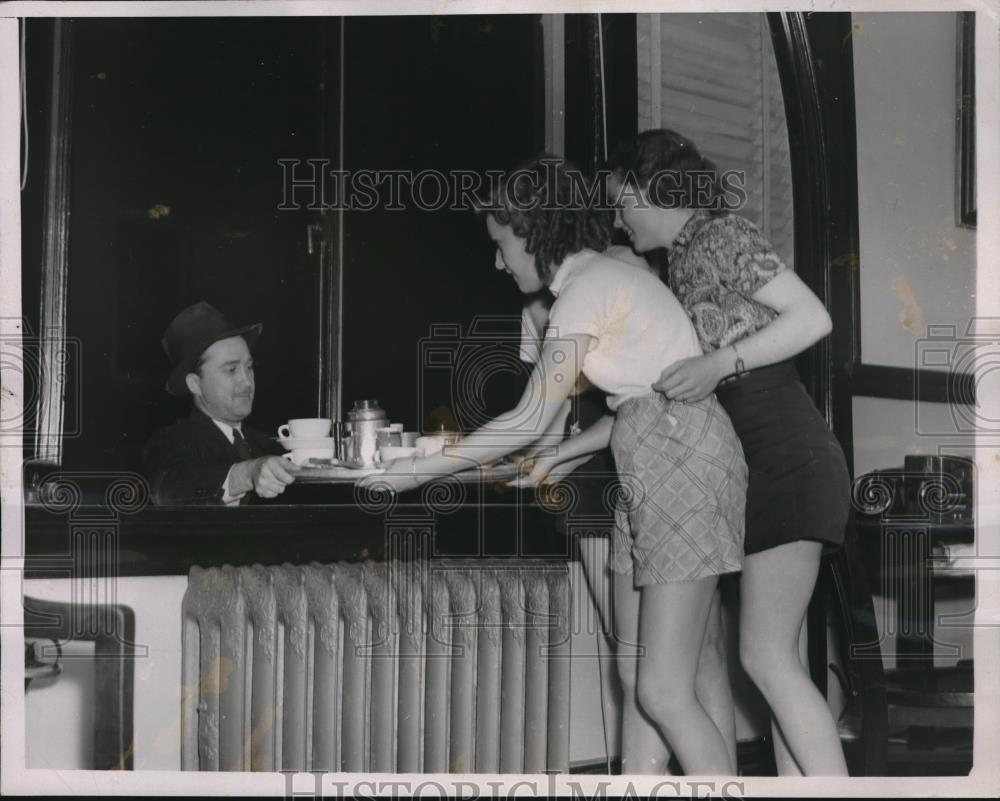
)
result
[(339, 474)]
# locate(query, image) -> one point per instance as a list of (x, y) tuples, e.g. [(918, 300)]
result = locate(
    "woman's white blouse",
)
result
[(532, 337), (639, 327)]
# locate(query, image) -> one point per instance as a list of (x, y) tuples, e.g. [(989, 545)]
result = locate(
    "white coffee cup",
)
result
[(305, 428), (302, 455)]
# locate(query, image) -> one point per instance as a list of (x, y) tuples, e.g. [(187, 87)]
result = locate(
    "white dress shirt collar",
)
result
[(227, 429)]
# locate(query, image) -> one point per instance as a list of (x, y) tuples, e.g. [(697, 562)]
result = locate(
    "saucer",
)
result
[(334, 474), (311, 443)]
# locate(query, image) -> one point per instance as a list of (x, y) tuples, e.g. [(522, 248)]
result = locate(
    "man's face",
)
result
[(223, 387)]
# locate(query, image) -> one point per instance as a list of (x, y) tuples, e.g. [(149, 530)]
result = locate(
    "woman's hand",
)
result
[(695, 378), (550, 470), (538, 471)]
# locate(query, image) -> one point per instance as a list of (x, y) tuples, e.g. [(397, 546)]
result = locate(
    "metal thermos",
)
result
[(359, 434)]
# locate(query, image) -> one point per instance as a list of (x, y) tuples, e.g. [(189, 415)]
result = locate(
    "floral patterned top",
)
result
[(716, 264)]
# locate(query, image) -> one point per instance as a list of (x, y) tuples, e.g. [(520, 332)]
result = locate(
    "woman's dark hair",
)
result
[(550, 204), (669, 167)]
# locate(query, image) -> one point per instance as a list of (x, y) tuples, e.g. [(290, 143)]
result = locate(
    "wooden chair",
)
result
[(112, 630), (920, 715)]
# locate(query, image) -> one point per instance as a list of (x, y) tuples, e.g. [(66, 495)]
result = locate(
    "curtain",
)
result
[(714, 79)]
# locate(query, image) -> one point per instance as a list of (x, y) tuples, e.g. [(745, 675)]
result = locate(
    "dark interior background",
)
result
[(450, 93), (191, 116)]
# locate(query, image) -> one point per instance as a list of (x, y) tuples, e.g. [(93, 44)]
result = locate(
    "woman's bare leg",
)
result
[(712, 683), (643, 747), (672, 622), (783, 759), (776, 587)]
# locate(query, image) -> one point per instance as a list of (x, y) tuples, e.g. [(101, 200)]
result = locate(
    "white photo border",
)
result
[(16, 778)]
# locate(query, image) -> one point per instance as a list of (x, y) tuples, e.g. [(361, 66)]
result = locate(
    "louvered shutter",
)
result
[(713, 78)]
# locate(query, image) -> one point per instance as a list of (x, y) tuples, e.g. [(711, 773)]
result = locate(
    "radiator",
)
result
[(404, 667)]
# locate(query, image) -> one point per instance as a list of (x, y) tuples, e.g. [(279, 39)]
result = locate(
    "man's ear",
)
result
[(193, 383)]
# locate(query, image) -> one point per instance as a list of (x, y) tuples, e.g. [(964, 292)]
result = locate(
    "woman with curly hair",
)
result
[(591, 479), (679, 525), (752, 315)]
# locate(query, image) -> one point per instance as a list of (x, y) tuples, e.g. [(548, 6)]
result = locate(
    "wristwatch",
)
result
[(741, 368)]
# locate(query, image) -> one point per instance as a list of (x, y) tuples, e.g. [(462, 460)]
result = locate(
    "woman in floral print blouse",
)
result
[(752, 315)]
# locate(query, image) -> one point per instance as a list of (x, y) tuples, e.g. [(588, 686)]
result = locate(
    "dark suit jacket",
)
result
[(186, 463)]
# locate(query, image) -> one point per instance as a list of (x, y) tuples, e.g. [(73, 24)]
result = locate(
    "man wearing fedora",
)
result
[(209, 457)]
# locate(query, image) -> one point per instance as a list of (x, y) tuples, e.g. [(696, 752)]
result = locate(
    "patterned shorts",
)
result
[(681, 508)]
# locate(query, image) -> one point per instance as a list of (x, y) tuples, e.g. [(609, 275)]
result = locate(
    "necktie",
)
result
[(241, 446)]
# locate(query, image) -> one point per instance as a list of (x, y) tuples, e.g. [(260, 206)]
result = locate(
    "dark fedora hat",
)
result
[(190, 333)]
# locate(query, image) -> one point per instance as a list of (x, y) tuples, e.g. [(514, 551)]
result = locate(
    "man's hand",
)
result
[(267, 476), (271, 474), (695, 378)]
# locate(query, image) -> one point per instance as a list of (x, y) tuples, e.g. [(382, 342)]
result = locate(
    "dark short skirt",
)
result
[(799, 485), (681, 514)]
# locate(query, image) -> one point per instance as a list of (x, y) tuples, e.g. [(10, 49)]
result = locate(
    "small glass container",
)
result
[(383, 437)]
